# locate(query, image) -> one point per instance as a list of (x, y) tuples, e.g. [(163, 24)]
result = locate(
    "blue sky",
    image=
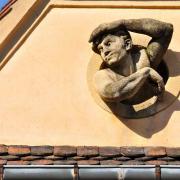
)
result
[(2, 3)]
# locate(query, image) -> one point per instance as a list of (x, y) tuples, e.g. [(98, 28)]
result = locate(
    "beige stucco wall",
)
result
[(44, 93)]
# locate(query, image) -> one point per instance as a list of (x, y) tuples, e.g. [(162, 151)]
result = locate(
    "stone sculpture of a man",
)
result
[(129, 74)]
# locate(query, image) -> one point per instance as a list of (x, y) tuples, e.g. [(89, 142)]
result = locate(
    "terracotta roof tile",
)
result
[(88, 155)]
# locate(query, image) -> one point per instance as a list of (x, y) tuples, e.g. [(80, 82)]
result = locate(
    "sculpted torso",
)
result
[(129, 74)]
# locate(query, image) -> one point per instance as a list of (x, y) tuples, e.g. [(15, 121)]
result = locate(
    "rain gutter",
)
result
[(87, 172)]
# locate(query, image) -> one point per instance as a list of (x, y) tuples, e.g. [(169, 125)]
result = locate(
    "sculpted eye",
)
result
[(108, 43)]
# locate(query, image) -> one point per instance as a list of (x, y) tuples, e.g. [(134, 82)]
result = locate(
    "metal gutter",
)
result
[(87, 172), (170, 172), (38, 172), (117, 172)]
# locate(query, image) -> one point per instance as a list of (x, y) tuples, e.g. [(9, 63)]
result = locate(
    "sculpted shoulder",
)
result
[(103, 78)]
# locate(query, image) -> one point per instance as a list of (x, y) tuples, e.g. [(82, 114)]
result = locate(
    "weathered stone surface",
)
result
[(19, 150), (30, 158), (155, 151), (52, 157), (132, 151), (18, 163), (3, 162), (42, 162), (65, 162), (65, 151), (156, 162), (9, 157), (133, 162), (109, 151), (110, 162), (99, 38), (88, 162), (87, 151), (173, 152), (3, 149), (41, 150)]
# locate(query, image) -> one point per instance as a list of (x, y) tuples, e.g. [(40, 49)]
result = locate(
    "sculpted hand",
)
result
[(159, 88), (105, 28), (161, 85)]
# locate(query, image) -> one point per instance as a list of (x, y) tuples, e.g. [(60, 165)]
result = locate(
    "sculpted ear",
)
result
[(128, 44)]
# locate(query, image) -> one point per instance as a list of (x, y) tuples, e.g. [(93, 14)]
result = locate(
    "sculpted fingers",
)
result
[(161, 91), (102, 28), (161, 87)]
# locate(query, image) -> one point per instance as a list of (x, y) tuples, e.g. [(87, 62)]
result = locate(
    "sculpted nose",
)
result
[(106, 53)]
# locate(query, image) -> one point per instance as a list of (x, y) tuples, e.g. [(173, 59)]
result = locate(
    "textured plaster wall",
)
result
[(44, 94)]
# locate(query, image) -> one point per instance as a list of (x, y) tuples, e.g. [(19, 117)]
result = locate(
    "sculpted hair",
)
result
[(123, 33)]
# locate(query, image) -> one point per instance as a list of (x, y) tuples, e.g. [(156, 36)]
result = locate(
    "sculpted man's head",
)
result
[(113, 47)]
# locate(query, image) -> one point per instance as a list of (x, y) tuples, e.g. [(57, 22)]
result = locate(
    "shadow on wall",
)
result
[(174, 57), (146, 127)]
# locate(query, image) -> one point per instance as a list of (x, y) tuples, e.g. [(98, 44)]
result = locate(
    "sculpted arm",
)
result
[(160, 32), (113, 88)]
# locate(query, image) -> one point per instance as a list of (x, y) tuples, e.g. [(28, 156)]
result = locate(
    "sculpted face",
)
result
[(112, 49)]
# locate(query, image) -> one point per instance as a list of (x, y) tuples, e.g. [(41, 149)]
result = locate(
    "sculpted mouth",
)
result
[(108, 58)]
